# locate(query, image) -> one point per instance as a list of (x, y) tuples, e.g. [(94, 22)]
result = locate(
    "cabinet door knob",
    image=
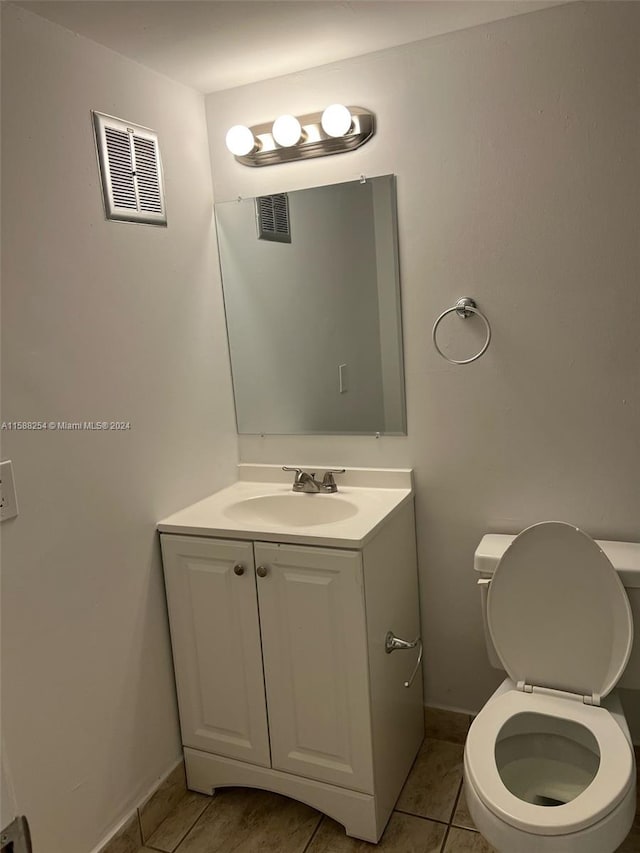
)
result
[(262, 571), (238, 569)]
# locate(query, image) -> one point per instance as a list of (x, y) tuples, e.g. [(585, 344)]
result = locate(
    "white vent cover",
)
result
[(272, 215), (131, 171)]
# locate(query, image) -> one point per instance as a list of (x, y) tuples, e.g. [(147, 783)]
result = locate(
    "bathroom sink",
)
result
[(292, 510), (261, 506)]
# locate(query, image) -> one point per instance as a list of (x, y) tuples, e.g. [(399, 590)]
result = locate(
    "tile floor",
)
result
[(430, 817)]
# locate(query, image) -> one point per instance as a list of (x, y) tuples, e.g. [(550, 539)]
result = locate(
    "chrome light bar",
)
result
[(314, 142)]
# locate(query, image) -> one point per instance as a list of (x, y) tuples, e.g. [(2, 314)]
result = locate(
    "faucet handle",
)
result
[(304, 481), (288, 468), (328, 482), (297, 480)]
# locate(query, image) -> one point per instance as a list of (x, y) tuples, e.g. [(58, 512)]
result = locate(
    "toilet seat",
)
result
[(558, 614), (613, 779), (561, 624)]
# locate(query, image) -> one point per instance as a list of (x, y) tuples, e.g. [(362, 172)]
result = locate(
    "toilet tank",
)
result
[(625, 559)]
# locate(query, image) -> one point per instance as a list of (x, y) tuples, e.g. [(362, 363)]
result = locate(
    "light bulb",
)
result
[(336, 120), (286, 131), (240, 141)]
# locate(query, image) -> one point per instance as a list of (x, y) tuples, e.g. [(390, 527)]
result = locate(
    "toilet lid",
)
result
[(558, 613)]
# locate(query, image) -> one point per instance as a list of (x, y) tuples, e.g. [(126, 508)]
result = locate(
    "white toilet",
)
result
[(548, 764)]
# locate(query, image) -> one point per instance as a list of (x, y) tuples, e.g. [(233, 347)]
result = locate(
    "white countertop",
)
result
[(379, 493)]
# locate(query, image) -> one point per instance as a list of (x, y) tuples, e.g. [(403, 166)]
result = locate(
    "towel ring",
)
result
[(464, 308)]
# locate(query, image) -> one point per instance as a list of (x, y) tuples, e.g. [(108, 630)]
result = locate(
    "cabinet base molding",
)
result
[(355, 811)]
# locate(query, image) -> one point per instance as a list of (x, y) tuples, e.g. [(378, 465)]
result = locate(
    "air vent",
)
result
[(272, 215), (131, 171)]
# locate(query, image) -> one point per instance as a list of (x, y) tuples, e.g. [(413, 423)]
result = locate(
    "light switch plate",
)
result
[(8, 500)]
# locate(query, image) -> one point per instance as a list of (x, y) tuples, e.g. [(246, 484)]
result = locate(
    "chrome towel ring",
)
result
[(464, 308)]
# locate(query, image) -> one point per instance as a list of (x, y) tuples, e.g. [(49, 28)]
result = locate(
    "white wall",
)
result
[(109, 321), (516, 150)]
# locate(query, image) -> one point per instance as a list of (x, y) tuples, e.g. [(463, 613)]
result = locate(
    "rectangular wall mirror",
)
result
[(312, 297)]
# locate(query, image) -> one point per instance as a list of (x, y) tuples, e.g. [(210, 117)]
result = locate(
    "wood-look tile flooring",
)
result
[(430, 817)]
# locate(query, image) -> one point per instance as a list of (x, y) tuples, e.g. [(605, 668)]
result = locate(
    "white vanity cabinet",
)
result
[(314, 649), (215, 635), (297, 633), (282, 676)]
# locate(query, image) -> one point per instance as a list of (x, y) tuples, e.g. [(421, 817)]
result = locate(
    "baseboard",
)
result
[(136, 828)]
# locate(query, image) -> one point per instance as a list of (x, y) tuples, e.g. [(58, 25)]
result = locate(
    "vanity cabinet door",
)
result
[(315, 658), (215, 635)]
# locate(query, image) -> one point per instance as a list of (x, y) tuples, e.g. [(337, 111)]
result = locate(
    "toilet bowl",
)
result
[(548, 765)]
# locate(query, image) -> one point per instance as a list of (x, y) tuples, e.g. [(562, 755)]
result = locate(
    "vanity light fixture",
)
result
[(286, 131), (337, 129), (336, 120), (240, 141)]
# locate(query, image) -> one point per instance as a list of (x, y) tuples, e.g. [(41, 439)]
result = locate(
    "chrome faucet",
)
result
[(305, 482), (328, 483)]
